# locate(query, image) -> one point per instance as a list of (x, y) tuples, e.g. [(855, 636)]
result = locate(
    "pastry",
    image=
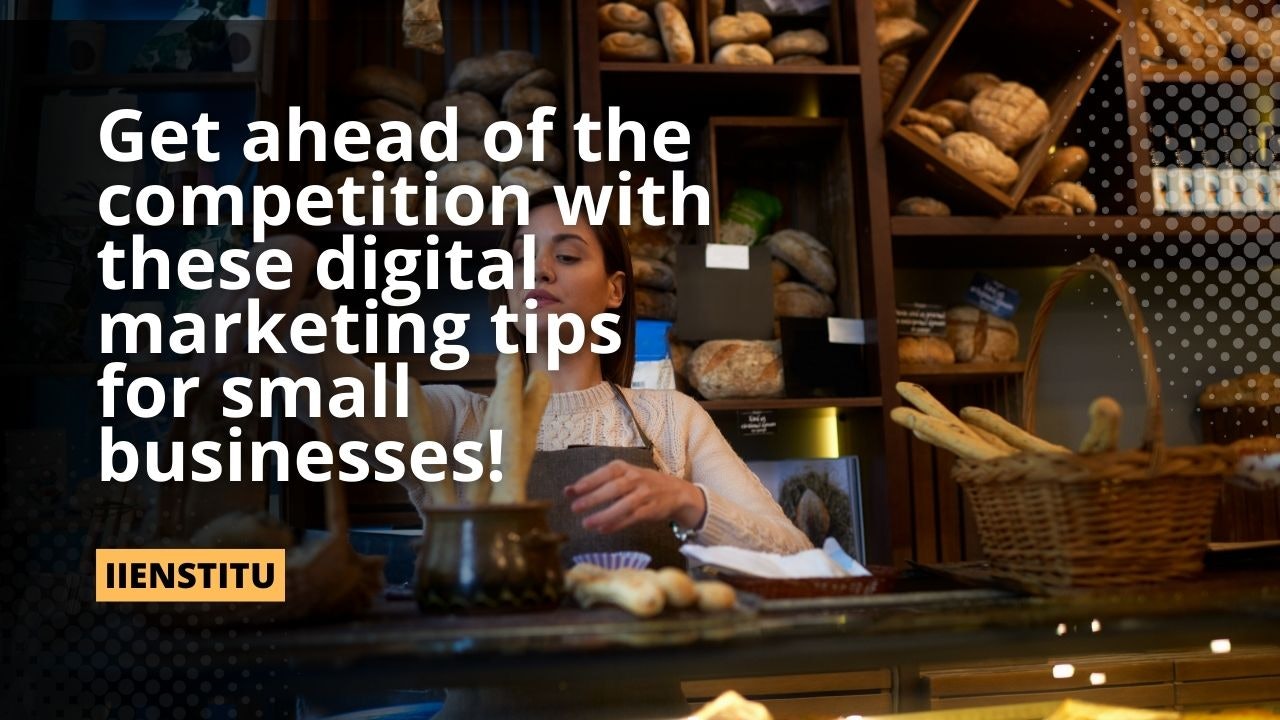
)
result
[(895, 33), (743, 27), (630, 47), (625, 17), (526, 99), (951, 109), (939, 124), (894, 8), (980, 156), (797, 42), (1063, 165), (970, 84), (925, 351), (1045, 205), (736, 368), (675, 33), (977, 336), (475, 112), (923, 207), (653, 274), (739, 54), (809, 257), (1077, 196), (794, 299), (893, 71), (1009, 114), (655, 304), (491, 74), (781, 271), (379, 81), (926, 132), (800, 60), (552, 159)]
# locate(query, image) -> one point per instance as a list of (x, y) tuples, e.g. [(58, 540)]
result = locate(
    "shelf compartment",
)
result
[(1092, 226), (789, 403), (646, 89), (959, 372), (1236, 75)]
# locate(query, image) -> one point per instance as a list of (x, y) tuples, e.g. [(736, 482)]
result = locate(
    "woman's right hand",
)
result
[(303, 256)]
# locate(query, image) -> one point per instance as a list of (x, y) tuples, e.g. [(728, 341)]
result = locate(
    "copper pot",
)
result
[(490, 557)]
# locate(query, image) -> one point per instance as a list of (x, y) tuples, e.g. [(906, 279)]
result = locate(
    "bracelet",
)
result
[(682, 534)]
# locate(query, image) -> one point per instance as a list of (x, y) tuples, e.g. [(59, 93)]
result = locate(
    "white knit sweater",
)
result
[(740, 511)]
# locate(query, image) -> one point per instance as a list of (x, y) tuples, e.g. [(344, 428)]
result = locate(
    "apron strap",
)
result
[(630, 411)]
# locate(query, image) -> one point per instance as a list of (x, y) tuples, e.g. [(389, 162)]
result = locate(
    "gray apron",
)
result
[(553, 470)]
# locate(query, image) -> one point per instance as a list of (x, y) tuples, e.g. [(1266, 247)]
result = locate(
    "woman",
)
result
[(625, 469)]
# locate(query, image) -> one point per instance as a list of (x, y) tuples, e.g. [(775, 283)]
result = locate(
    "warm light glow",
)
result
[(1097, 678), (1064, 671), (1096, 626), (1062, 629), (1220, 647)]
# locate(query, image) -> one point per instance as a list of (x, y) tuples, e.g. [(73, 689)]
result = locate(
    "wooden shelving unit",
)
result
[(1236, 75), (791, 403), (146, 81), (960, 371)]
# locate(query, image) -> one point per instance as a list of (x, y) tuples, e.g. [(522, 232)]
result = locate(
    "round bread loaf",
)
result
[(384, 110), (800, 60), (1009, 114), (794, 299), (471, 148), (970, 84), (1065, 164), (925, 351), (552, 159), (532, 180), (797, 42), (741, 54), (809, 257), (743, 27), (655, 304), (475, 112), (940, 124), (630, 47), (781, 271), (1045, 205), (625, 17), (379, 81), (1076, 195), (653, 274), (736, 368), (517, 100), (923, 207), (977, 336), (895, 33), (980, 156), (540, 78), (893, 71), (951, 109), (492, 74), (469, 172)]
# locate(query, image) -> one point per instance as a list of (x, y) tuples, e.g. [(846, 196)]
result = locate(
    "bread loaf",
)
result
[(653, 274), (809, 257), (540, 78), (923, 207), (1149, 47), (625, 17), (896, 33), (675, 33), (530, 179), (526, 99), (552, 159), (655, 304), (361, 176), (471, 148), (1009, 114), (797, 42), (977, 336), (384, 110), (1045, 205), (470, 172), (893, 71), (981, 157), (793, 299), (1077, 196), (475, 112), (739, 54), (970, 84), (379, 81), (736, 368), (781, 271), (491, 74), (925, 351), (937, 123), (929, 134), (741, 28), (800, 60), (1064, 165), (1183, 32), (630, 47)]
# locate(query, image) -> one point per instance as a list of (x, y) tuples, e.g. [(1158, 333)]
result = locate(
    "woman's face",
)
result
[(569, 271)]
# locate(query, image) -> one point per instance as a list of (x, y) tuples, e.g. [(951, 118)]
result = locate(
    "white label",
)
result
[(729, 257), (654, 375), (846, 331)]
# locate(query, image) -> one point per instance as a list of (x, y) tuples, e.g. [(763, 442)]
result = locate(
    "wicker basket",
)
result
[(880, 580), (1049, 522)]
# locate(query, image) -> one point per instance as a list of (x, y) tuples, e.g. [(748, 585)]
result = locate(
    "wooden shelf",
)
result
[(705, 71), (790, 403), (646, 89), (959, 371), (147, 81), (1237, 75), (1088, 226)]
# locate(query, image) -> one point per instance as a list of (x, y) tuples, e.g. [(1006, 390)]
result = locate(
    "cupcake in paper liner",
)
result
[(614, 560)]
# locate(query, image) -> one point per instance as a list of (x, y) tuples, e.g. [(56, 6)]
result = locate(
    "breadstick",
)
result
[(1007, 431), (503, 413), (583, 572), (715, 596), (929, 405), (421, 429), (992, 440), (944, 435), (632, 590), (537, 390), (1104, 427), (677, 586)]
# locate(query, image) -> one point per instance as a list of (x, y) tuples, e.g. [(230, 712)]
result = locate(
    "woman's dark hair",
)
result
[(615, 366)]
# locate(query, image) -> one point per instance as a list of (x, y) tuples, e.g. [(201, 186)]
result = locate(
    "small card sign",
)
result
[(922, 320), (992, 296), (846, 331), (757, 422), (729, 257)]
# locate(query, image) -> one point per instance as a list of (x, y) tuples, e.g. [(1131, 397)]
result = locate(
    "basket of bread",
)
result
[(1051, 518)]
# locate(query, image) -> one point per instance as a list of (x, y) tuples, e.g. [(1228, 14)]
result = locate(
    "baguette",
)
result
[(537, 391), (945, 435), (992, 439), (931, 406), (422, 429), (635, 591), (503, 413), (1007, 431), (1104, 427)]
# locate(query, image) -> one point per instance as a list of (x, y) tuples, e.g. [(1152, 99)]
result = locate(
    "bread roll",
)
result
[(781, 271), (530, 179), (925, 351), (469, 172), (1184, 32), (923, 207), (361, 176), (951, 109), (540, 78), (739, 54), (929, 134), (630, 47), (675, 33), (981, 157), (1045, 205), (655, 304), (625, 17), (379, 81), (977, 336), (492, 74), (736, 368), (970, 84), (653, 274), (475, 112), (517, 100), (715, 596), (800, 60), (896, 33), (384, 110), (1010, 114), (1077, 196), (797, 42), (938, 123), (413, 176), (740, 28), (650, 242), (1064, 165), (793, 299), (552, 159), (422, 25), (809, 257), (471, 148), (894, 8), (893, 71), (1149, 47)]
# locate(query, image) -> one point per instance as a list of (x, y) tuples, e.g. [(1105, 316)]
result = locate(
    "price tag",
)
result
[(757, 422), (729, 257), (922, 320), (992, 296)]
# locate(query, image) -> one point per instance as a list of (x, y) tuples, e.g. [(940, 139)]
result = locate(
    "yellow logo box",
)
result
[(189, 575)]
